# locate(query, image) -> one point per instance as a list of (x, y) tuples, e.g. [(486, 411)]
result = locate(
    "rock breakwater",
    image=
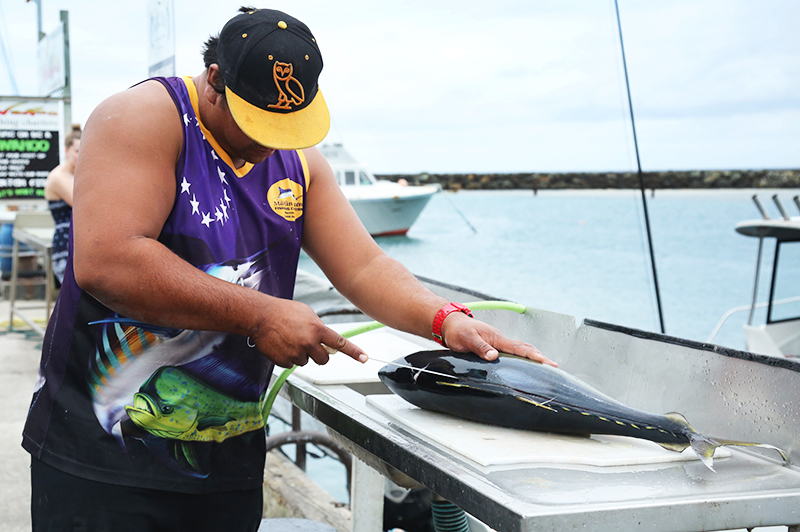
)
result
[(599, 180)]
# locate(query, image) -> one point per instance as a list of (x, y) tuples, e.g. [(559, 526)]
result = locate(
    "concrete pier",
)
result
[(19, 359)]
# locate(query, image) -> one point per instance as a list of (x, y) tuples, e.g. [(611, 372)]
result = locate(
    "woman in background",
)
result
[(58, 193)]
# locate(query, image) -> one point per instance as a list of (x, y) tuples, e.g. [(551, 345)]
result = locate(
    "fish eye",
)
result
[(166, 409)]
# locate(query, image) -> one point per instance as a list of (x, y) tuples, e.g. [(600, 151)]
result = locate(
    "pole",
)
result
[(641, 176), (66, 92)]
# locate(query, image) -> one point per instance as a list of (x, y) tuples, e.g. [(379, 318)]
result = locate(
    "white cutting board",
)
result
[(384, 343), (489, 446)]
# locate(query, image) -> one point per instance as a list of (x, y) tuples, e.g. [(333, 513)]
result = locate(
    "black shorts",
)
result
[(61, 502)]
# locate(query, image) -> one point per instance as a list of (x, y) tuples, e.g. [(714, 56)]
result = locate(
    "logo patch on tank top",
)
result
[(285, 198)]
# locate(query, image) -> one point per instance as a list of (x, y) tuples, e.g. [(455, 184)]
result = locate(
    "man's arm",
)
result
[(380, 286), (124, 192)]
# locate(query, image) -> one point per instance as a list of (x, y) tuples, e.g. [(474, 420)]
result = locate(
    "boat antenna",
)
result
[(641, 176)]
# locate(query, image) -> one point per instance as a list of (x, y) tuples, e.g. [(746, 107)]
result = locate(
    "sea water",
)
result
[(585, 253)]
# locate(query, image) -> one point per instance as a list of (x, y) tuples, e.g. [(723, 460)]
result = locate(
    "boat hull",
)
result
[(392, 215)]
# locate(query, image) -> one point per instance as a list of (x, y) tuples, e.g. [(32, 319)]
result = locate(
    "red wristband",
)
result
[(442, 314)]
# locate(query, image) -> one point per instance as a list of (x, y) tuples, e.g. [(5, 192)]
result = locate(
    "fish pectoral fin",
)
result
[(213, 421), (456, 385), (188, 454), (536, 403)]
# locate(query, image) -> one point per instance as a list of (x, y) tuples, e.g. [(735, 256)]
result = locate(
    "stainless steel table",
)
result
[(723, 392)]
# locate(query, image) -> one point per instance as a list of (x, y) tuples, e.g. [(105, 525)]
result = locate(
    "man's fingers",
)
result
[(528, 351), (334, 342), (484, 349)]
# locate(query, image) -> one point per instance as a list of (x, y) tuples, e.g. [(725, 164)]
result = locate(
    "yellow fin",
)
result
[(536, 403)]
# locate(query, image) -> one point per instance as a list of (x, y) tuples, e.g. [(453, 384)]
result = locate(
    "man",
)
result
[(192, 200)]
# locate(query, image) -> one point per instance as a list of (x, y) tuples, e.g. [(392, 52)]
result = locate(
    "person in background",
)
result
[(193, 199), (58, 193)]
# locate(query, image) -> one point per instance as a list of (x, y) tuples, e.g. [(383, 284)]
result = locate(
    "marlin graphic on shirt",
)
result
[(286, 193), (130, 352)]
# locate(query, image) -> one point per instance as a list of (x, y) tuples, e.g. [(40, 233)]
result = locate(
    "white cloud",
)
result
[(460, 86)]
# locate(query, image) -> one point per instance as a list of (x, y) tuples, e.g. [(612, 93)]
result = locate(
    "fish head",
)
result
[(431, 369), (159, 417)]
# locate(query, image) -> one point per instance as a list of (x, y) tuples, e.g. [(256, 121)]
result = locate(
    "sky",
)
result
[(467, 86)]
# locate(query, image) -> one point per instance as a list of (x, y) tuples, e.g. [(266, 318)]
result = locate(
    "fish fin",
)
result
[(702, 446), (540, 404), (184, 462), (162, 332), (677, 447), (488, 391), (213, 421), (188, 454), (678, 418)]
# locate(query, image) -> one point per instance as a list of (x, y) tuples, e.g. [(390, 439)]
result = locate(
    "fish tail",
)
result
[(704, 446)]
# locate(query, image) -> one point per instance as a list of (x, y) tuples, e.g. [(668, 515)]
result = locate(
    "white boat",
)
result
[(779, 335), (384, 207)]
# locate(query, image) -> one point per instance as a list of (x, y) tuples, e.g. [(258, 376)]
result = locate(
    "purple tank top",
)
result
[(129, 403)]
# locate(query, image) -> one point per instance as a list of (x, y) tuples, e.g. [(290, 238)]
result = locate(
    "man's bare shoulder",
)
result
[(318, 166), (143, 116), (147, 106)]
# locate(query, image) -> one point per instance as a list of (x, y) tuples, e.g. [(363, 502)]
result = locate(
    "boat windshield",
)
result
[(785, 283), (353, 177)]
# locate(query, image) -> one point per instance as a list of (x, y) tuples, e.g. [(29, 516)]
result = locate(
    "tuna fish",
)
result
[(519, 393)]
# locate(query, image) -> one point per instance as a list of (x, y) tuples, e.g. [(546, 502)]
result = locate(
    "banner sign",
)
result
[(51, 58), (161, 41), (29, 145)]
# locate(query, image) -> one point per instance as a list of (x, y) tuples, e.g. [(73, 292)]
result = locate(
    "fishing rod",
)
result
[(641, 176)]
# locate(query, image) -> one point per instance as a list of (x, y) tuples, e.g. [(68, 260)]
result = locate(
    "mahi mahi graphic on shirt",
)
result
[(157, 384), (173, 404)]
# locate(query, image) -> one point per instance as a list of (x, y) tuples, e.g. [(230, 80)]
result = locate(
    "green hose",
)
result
[(475, 305), (447, 517)]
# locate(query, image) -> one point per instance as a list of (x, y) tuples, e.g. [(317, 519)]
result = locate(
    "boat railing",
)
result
[(743, 308)]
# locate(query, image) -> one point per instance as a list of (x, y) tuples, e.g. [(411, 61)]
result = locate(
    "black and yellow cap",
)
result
[(270, 63)]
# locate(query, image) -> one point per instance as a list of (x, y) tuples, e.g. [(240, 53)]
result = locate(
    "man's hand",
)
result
[(465, 334), (299, 335)]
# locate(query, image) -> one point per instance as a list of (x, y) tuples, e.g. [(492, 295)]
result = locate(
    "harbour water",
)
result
[(584, 253)]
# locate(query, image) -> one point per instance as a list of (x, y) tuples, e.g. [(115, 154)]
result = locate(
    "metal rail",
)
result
[(743, 308)]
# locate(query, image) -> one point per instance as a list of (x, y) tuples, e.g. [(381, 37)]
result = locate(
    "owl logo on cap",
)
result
[(291, 91)]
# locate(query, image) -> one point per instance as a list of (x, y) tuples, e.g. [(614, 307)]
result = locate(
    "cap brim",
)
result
[(283, 131)]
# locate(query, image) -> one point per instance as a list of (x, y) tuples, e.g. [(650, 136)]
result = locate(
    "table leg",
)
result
[(366, 498), (12, 296)]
